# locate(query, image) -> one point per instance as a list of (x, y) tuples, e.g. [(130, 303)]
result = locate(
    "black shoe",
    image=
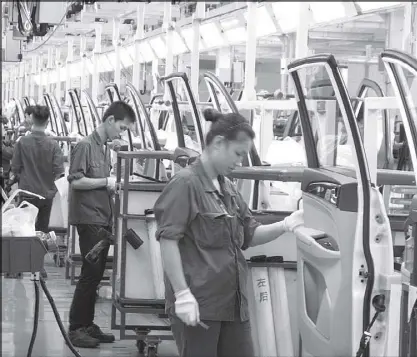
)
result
[(81, 338), (95, 332)]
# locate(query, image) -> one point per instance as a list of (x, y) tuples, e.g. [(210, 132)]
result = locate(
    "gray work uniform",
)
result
[(91, 159), (212, 229)]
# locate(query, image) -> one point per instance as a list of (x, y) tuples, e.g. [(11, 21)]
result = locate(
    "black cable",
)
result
[(58, 318), (35, 321)]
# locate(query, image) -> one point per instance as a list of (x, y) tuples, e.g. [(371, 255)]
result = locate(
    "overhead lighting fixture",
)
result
[(369, 6), (146, 51), (158, 46), (264, 24), (179, 46), (287, 14), (188, 35), (327, 11), (236, 35), (211, 35)]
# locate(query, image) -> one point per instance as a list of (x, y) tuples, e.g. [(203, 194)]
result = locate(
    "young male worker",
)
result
[(90, 208), (37, 162)]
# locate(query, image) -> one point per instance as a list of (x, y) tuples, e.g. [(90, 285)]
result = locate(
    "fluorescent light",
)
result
[(236, 35), (264, 24), (211, 35), (146, 51), (369, 6), (229, 23), (327, 11), (158, 46), (188, 37), (179, 46), (287, 14)]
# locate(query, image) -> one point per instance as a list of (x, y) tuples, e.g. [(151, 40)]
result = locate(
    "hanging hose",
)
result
[(58, 318), (36, 320)]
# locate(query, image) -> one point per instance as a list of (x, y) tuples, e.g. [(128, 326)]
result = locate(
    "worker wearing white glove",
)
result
[(204, 224), (186, 307)]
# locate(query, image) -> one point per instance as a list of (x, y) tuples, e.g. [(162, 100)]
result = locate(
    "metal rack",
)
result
[(148, 336)]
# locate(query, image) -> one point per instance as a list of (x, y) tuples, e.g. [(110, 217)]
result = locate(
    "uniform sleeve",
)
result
[(175, 209), (58, 160), (249, 223), (80, 158)]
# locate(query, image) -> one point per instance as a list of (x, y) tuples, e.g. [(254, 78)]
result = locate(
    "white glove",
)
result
[(111, 183), (186, 307), (296, 219)]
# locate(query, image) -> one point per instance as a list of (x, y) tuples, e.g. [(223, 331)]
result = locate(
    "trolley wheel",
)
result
[(141, 346), (152, 351)]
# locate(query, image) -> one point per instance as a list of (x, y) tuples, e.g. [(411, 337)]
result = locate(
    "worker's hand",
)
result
[(293, 221), (186, 308), (111, 183), (117, 144)]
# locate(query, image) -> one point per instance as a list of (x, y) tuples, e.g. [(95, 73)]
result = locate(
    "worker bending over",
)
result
[(90, 209), (203, 226), (37, 162)]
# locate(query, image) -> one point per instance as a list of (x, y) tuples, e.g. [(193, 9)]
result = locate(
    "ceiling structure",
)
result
[(356, 28)]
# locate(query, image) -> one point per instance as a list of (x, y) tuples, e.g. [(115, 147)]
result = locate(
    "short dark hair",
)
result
[(40, 114), (29, 109), (227, 125), (119, 110)]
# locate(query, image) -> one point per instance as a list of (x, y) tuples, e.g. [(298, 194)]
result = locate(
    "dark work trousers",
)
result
[(44, 206), (221, 339), (84, 300)]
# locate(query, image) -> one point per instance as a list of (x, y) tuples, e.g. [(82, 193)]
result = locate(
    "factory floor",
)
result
[(18, 296)]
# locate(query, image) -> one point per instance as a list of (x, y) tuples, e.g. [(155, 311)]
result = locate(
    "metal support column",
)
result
[(249, 92), (70, 58), (198, 16), (21, 68), (138, 37), (407, 33), (116, 45), (16, 82), (224, 64), (83, 54), (33, 70), (49, 69), (58, 74), (155, 75), (168, 27), (95, 81), (28, 78), (301, 40), (41, 80)]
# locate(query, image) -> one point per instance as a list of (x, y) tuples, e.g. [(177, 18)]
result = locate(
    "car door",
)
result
[(340, 256), (402, 72)]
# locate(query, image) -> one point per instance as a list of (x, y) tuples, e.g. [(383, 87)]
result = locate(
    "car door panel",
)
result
[(338, 203)]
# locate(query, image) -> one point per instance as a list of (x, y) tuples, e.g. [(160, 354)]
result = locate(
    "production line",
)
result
[(340, 281)]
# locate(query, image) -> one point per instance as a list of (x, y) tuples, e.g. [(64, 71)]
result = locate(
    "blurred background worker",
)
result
[(37, 162), (91, 209), (202, 243), (6, 154)]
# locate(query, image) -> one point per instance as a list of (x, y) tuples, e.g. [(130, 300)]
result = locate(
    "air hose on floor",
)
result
[(57, 317)]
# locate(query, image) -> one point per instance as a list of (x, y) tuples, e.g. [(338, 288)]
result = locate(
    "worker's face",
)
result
[(116, 128), (28, 118), (227, 155)]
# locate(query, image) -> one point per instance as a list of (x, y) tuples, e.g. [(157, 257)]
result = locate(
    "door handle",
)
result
[(308, 240)]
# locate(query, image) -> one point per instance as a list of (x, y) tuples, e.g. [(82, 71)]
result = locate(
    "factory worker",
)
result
[(203, 226)]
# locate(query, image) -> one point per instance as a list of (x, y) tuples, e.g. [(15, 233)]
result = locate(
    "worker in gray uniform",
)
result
[(90, 210), (203, 226)]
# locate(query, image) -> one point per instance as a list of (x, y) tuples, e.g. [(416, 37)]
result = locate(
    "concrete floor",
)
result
[(18, 298)]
